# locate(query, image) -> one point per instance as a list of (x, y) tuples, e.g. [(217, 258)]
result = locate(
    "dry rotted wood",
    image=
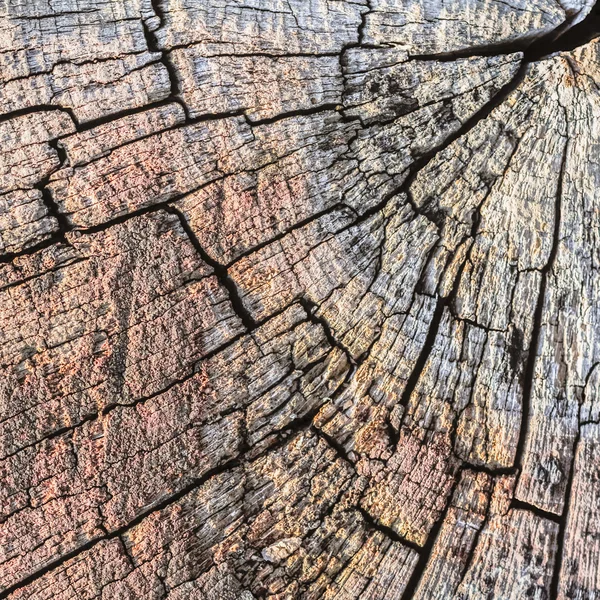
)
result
[(299, 299)]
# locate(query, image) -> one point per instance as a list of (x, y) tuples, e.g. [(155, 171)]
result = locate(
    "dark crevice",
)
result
[(215, 116), (52, 435), (358, 44), (528, 374), (220, 272), (127, 553), (417, 370), (243, 457), (47, 243), (536, 510), (151, 39), (53, 210), (419, 570), (175, 94), (471, 323), (24, 279), (153, 46), (491, 471), (38, 108), (413, 170), (152, 208), (167, 205), (560, 538), (114, 405), (110, 118), (294, 427), (334, 444), (387, 531), (288, 230), (311, 309), (363, 22), (313, 110), (54, 14), (425, 352), (297, 374), (480, 115), (175, 382), (563, 38), (567, 38), (442, 304), (475, 543), (425, 158)]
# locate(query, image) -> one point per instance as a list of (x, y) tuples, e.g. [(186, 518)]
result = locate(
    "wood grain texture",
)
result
[(299, 299)]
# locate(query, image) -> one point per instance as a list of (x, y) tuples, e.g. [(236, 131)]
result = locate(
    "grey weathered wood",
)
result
[(299, 299)]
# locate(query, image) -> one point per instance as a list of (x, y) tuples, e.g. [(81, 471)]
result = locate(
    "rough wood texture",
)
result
[(299, 299)]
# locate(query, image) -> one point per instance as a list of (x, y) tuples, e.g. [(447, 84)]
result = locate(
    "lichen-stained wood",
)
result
[(299, 299)]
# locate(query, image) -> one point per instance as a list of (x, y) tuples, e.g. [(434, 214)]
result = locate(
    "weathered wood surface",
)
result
[(299, 299)]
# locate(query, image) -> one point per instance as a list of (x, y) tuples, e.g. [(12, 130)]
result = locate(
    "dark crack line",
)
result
[(153, 46), (418, 572), (475, 544), (193, 370), (560, 41), (53, 210), (425, 353), (481, 468), (535, 510), (36, 109), (313, 110), (529, 371), (311, 309), (220, 271), (244, 457), (52, 240), (424, 159), (413, 170), (334, 444), (110, 118), (563, 38), (387, 531), (560, 539)]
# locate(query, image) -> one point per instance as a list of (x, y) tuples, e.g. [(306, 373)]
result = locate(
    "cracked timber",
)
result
[(300, 299)]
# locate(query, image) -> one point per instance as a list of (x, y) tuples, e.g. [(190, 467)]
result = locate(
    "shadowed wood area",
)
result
[(299, 299)]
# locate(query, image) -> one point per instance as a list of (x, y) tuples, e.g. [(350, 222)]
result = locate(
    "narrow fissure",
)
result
[(529, 372), (388, 531), (415, 579), (220, 271), (534, 510), (564, 38)]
